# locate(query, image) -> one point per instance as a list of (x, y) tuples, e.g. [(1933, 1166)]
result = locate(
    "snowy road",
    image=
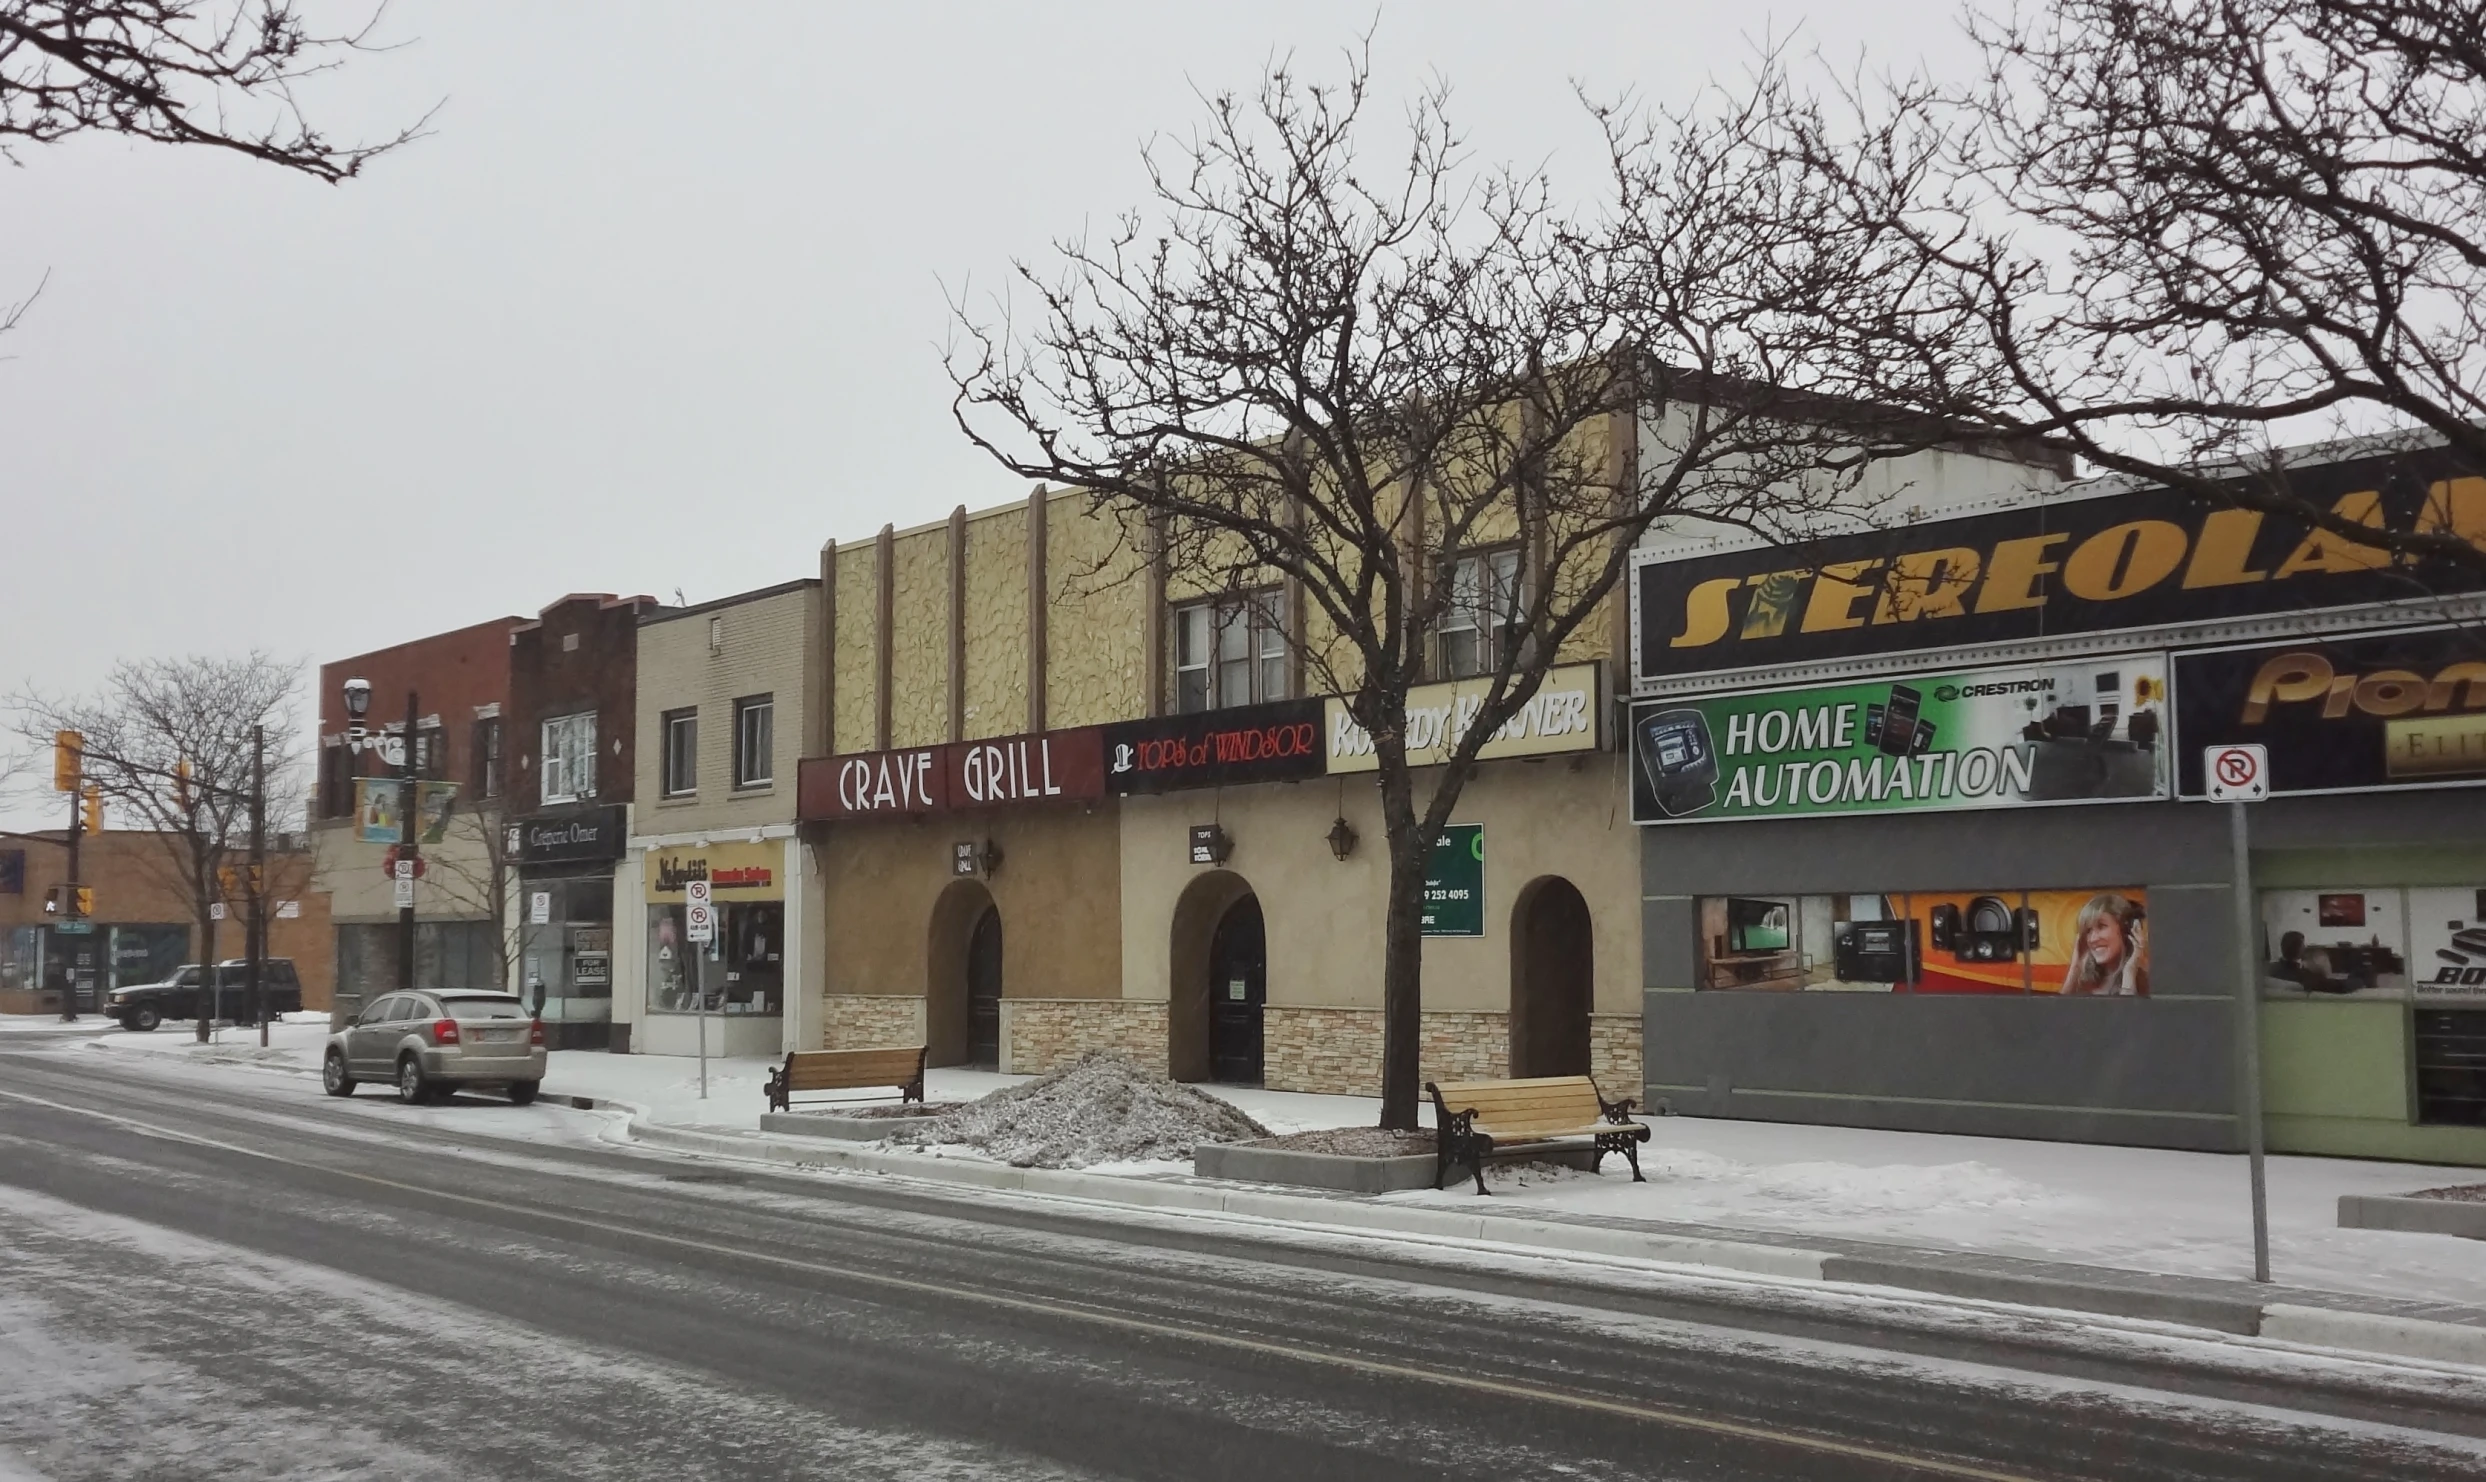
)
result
[(201, 1279)]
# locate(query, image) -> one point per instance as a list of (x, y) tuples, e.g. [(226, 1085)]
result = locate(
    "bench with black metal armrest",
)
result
[(896, 1066), (1477, 1120)]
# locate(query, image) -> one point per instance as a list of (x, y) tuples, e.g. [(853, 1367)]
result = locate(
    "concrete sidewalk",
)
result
[(2434, 1331)]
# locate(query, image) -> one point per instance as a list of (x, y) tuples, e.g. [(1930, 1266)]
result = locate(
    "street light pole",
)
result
[(408, 850)]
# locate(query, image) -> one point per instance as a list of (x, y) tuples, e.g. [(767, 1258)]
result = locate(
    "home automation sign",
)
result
[(2091, 731)]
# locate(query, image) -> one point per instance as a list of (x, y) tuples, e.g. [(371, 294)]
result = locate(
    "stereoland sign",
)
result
[(1991, 738), (1563, 715), (2141, 561)]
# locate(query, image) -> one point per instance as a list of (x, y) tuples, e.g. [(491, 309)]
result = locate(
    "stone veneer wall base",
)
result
[(864, 1021), (1044, 1034)]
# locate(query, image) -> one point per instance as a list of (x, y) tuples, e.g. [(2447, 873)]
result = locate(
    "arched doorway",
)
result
[(1553, 979), (962, 977), (1192, 969), (984, 990), (1238, 986)]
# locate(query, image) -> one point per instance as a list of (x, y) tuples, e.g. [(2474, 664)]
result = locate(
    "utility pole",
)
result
[(257, 947), (69, 899)]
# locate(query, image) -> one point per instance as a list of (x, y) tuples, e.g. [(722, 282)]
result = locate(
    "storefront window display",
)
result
[(743, 970), (2389, 942), (2082, 943), (568, 947)]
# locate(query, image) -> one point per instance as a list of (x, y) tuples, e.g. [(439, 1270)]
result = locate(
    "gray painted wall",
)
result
[(2157, 1072)]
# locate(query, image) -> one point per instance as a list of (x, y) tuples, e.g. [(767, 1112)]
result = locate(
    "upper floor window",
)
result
[(755, 741), (486, 758), (570, 758), (431, 753), (1481, 628), (336, 782), (681, 752), (1230, 651)]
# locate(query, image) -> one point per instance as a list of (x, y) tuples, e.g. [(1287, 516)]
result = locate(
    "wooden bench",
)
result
[(897, 1066), (1477, 1120)]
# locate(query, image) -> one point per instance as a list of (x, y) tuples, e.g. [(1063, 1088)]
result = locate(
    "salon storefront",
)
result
[(1253, 876), (565, 861), (1924, 848), (741, 981)]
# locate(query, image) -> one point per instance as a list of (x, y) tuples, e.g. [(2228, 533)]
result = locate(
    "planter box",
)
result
[(1245, 1163), (831, 1124), (2424, 1216)]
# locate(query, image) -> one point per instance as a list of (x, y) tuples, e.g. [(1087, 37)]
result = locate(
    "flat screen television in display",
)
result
[(1756, 926)]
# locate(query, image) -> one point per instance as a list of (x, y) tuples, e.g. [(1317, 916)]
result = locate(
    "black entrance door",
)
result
[(1238, 965), (984, 990)]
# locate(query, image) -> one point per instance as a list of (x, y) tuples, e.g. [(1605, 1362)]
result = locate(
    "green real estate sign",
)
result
[(1454, 883), (2091, 730)]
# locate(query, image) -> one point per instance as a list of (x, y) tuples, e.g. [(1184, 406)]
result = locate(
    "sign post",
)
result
[(2238, 775), (699, 921)]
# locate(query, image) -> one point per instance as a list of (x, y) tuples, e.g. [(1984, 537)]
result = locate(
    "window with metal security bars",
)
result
[(755, 741), (1230, 651), (1481, 629), (569, 758), (681, 753)]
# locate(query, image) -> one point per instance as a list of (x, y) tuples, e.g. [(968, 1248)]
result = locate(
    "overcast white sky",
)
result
[(657, 305)]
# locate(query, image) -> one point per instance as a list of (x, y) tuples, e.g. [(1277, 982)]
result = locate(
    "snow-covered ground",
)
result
[(2134, 1208)]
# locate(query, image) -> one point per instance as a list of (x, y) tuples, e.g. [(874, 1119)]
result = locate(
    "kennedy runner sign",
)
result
[(1991, 738), (1563, 715)]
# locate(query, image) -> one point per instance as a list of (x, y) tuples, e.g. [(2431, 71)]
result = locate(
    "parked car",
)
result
[(146, 1005), (428, 1044)]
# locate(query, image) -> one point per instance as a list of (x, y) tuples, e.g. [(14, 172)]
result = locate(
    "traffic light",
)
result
[(181, 784), (83, 897), (91, 808), (68, 760)]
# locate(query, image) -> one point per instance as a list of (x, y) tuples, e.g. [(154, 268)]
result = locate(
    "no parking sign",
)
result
[(699, 912), (2237, 774)]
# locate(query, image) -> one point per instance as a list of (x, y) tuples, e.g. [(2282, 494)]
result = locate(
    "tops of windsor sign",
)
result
[(1009, 771), (2116, 561), (1279, 742)]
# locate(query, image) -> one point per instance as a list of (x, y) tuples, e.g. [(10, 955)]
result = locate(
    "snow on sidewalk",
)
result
[(2133, 1208)]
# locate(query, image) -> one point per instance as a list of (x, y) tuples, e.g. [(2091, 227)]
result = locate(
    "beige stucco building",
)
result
[(726, 707), (1003, 829)]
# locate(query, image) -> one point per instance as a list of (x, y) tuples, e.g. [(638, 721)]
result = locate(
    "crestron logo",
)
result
[(1946, 693)]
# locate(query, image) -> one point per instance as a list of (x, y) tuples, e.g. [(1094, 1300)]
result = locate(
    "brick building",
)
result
[(572, 729), (141, 926), (459, 682)]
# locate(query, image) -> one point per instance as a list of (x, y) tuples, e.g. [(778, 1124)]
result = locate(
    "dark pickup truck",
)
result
[(145, 1005)]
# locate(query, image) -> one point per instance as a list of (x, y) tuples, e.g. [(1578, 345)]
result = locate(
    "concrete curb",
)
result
[(2368, 1333), (1245, 1163), (2421, 1216)]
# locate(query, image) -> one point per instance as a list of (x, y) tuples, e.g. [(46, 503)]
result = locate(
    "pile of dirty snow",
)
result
[(1101, 1109)]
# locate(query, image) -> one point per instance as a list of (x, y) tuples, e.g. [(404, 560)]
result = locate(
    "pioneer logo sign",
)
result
[(1279, 742), (2343, 715), (1005, 771), (2106, 563)]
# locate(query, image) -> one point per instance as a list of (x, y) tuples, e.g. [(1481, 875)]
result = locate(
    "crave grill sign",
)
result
[(1009, 771), (1280, 742), (2144, 560)]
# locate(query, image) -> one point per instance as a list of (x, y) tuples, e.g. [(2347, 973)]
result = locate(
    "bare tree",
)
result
[(2184, 234), (474, 876), (170, 743), (1294, 370), (221, 75)]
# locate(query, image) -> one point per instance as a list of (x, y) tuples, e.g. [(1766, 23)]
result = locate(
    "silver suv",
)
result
[(427, 1044)]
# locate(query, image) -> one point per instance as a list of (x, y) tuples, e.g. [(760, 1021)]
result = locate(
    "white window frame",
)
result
[(568, 771), (755, 765), (1480, 628), (1231, 650), (680, 775)]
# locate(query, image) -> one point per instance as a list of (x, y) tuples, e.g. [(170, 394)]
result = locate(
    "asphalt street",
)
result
[(223, 1274)]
